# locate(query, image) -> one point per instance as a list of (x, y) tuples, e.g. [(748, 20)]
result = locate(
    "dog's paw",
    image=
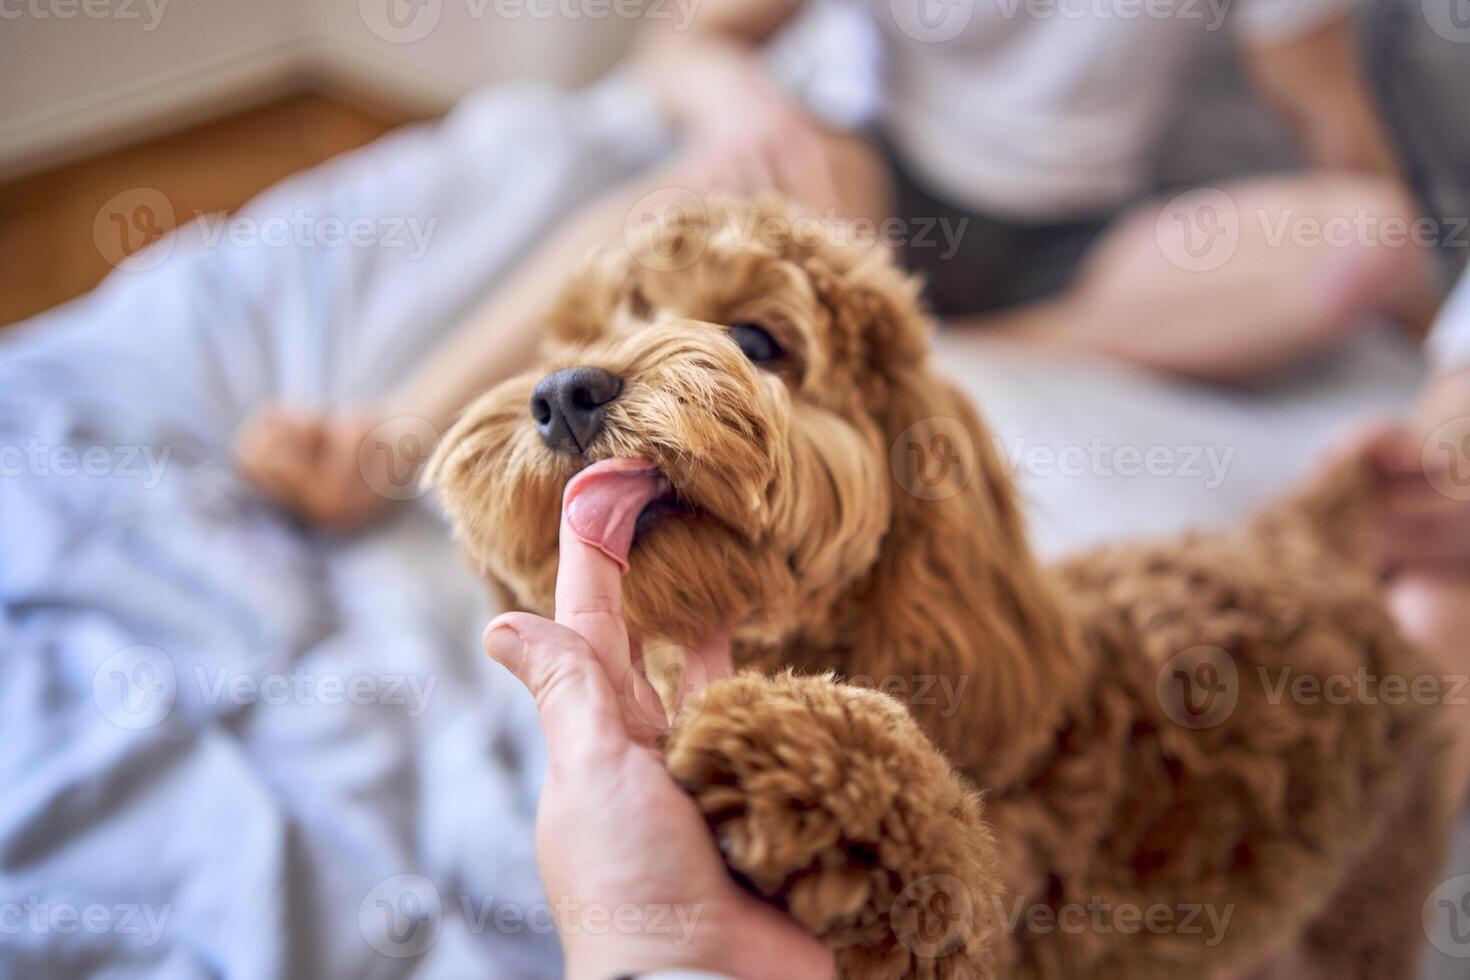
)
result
[(830, 801)]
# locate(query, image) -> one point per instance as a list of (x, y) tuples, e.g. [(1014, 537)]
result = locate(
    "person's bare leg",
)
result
[(1235, 283), (314, 464)]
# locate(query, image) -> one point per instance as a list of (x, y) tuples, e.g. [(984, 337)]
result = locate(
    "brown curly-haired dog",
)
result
[(1162, 794)]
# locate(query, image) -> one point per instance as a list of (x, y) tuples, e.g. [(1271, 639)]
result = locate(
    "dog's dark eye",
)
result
[(755, 343)]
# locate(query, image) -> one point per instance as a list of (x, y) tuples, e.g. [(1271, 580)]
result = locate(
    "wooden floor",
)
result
[(62, 230)]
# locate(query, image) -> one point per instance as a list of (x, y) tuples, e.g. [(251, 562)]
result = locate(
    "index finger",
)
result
[(589, 599)]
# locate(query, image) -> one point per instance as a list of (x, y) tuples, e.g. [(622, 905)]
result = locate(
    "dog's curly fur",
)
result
[(806, 522)]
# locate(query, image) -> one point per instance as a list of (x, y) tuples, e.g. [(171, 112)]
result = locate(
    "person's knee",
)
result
[(1364, 244), (1373, 196), (1371, 215)]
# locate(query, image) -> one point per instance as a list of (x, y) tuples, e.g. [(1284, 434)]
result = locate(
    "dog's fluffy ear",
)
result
[(956, 594), (878, 321)]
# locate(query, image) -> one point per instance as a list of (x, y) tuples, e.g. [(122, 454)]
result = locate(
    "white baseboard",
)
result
[(368, 73), (174, 98), (168, 99)]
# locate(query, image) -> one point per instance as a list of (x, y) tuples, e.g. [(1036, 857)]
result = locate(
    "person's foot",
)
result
[(1349, 286), (338, 472)]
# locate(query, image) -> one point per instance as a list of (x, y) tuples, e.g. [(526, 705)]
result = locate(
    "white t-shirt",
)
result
[(1049, 108), (1449, 341)]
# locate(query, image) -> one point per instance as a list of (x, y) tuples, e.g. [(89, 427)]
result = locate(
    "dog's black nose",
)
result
[(569, 406)]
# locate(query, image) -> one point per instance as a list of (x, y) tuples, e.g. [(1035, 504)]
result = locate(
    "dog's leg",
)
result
[(1329, 513), (829, 800), (1372, 929)]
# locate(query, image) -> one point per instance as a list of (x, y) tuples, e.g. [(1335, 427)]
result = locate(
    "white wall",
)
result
[(77, 75), (468, 43)]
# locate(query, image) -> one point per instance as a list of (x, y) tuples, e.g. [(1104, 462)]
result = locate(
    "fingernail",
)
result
[(506, 647)]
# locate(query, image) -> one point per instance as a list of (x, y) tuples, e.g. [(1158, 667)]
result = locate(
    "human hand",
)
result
[(617, 841), (766, 143), (336, 471), (743, 134), (1419, 522), (1423, 471)]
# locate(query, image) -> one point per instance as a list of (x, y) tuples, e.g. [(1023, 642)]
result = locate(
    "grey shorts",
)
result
[(976, 263)]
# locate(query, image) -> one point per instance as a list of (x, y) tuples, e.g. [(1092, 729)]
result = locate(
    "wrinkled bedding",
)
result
[(234, 747), (229, 746)]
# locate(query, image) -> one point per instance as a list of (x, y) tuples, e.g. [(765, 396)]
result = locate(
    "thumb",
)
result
[(579, 708)]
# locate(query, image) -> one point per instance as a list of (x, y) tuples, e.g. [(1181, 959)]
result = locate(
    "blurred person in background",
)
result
[(1030, 127)]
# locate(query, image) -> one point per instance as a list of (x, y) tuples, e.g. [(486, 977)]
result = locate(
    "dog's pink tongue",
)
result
[(602, 503)]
